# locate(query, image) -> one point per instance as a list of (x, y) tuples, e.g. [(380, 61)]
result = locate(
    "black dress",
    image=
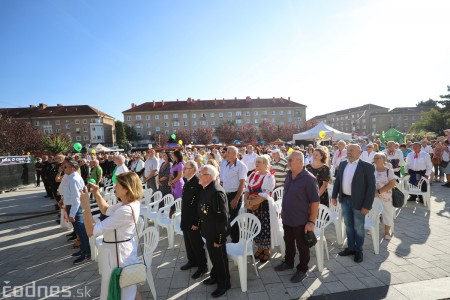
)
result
[(322, 174)]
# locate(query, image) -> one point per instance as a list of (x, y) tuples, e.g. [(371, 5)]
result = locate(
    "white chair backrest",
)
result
[(151, 239), (177, 205), (249, 227), (140, 225), (335, 210), (168, 199), (323, 218), (147, 196), (278, 193), (375, 212), (156, 196)]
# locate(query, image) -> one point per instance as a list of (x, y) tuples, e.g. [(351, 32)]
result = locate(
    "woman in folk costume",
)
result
[(258, 200)]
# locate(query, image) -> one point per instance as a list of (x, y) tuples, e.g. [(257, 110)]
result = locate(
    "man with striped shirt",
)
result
[(279, 166)]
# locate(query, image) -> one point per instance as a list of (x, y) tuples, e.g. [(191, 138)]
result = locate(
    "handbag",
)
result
[(252, 207), (310, 238), (398, 198), (135, 273), (443, 164)]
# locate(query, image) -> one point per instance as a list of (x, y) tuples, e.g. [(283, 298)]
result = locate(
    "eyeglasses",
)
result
[(203, 174)]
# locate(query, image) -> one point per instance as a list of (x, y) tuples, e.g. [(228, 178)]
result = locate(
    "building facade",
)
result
[(370, 119), (151, 119), (82, 123)]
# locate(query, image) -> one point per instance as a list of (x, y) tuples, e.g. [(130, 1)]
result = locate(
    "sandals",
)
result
[(258, 253), (266, 256)]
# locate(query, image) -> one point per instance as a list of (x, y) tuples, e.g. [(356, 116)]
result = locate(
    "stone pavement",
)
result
[(415, 264)]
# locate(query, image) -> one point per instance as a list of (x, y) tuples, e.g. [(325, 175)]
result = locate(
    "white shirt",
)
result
[(338, 158), (232, 174), (427, 149), (151, 164), (396, 154), (122, 169), (250, 160), (74, 183), (422, 162), (347, 178), (368, 157)]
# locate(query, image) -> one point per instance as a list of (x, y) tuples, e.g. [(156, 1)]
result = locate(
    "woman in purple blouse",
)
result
[(176, 175)]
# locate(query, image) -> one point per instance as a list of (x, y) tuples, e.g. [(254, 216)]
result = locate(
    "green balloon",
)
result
[(173, 136), (92, 180), (77, 147)]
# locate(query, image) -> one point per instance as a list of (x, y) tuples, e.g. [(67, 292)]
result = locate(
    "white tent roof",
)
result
[(330, 132), (100, 148)]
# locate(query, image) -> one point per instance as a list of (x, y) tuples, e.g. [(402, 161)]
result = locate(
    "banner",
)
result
[(14, 160)]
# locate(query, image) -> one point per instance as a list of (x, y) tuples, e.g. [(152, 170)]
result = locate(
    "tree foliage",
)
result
[(268, 131), (161, 139), (58, 143), (131, 134), (311, 123), (17, 137), (120, 134), (428, 103), (184, 134), (204, 134), (248, 134), (437, 119), (227, 132), (286, 132)]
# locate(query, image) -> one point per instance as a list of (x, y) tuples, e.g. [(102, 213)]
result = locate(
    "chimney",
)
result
[(133, 105), (32, 106), (289, 98), (59, 105), (189, 100), (162, 102), (154, 104), (258, 98), (177, 100), (42, 106), (248, 99), (235, 98)]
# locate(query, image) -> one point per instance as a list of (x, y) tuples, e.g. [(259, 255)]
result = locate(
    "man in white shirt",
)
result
[(234, 176), (151, 170), (395, 157), (368, 155), (426, 148), (249, 159), (339, 156), (418, 165)]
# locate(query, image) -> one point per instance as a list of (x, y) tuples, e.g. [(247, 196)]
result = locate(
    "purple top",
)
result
[(177, 186), (298, 195)]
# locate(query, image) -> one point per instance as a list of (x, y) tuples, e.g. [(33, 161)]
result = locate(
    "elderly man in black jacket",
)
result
[(190, 221), (213, 209)]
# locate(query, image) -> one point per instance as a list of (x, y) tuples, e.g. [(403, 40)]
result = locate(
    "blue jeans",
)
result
[(354, 224), (80, 230)]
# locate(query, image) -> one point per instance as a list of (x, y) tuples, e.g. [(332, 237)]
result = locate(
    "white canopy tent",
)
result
[(101, 148), (330, 133)]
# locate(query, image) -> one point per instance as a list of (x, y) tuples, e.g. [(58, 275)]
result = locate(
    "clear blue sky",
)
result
[(111, 53)]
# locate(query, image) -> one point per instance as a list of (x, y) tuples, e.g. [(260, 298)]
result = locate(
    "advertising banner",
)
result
[(14, 160)]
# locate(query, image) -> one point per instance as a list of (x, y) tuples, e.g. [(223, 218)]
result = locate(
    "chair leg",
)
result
[(326, 248), (282, 248), (151, 283), (319, 255), (254, 264), (338, 228), (170, 237), (376, 239), (242, 267)]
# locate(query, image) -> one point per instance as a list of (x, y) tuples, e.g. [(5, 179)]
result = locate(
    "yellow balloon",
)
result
[(180, 142), (322, 134), (28, 153), (93, 151), (290, 150)]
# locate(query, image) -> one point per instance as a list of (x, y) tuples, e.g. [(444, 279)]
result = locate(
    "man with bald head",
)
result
[(355, 186)]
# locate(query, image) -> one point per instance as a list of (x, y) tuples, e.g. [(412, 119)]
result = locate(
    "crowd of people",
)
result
[(215, 184)]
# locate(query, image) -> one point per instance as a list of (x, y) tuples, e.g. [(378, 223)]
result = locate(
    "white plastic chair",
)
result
[(322, 221), (177, 218), (278, 204), (278, 194), (372, 223), (338, 221), (153, 206), (164, 220), (410, 189), (249, 228), (145, 201), (151, 238)]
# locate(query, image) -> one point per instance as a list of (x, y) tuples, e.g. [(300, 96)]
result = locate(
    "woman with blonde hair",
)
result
[(119, 248)]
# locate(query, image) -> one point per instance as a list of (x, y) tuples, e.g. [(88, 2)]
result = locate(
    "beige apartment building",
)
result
[(370, 119), (161, 117), (83, 123)]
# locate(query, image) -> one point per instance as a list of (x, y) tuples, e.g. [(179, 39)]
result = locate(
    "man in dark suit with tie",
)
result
[(190, 221), (355, 185)]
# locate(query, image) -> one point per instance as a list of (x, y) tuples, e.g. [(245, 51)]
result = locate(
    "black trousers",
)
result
[(418, 174), (194, 248), (47, 186), (219, 259), (296, 236), (234, 232), (38, 177)]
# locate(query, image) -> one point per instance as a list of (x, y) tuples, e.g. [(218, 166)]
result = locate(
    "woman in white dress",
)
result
[(385, 181), (118, 229)]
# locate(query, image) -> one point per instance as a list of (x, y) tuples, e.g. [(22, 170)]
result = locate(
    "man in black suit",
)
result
[(190, 221), (214, 223), (355, 185)]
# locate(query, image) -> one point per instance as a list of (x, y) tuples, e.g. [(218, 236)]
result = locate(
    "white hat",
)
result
[(276, 151)]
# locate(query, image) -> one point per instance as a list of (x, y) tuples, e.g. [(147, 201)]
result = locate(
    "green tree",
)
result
[(437, 119), (446, 100), (17, 137), (57, 143), (131, 134), (120, 134), (428, 103)]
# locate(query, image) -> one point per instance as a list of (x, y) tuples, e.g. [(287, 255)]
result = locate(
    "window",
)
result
[(139, 133), (255, 113), (78, 131), (211, 115), (289, 112), (77, 122), (194, 116), (94, 138), (58, 130), (138, 126), (238, 121), (264, 113), (166, 117), (202, 115), (138, 117), (281, 122), (247, 121), (149, 125), (67, 126), (166, 124), (57, 122), (175, 116), (93, 128), (297, 112), (375, 119), (48, 131), (353, 116), (413, 118), (281, 112), (166, 132), (230, 114), (85, 129), (156, 117), (298, 120), (185, 124), (289, 120), (147, 117), (149, 133), (203, 123), (78, 138), (47, 122), (274, 113), (157, 129), (238, 114), (36, 123), (194, 123), (84, 121), (86, 138), (247, 114), (220, 115), (212, 123), (184, 116), (273, 120), (128, 118), (256, 121), (176, 124), (346, 117)]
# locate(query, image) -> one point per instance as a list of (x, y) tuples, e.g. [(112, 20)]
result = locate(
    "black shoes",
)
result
[(199, 273), (298, 277), (358, 257), (77, 253), (447, 184), (346, 252), (187, 266), (72, 238), (219, 292), (82, 259), (283, 267), (210, 281)]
